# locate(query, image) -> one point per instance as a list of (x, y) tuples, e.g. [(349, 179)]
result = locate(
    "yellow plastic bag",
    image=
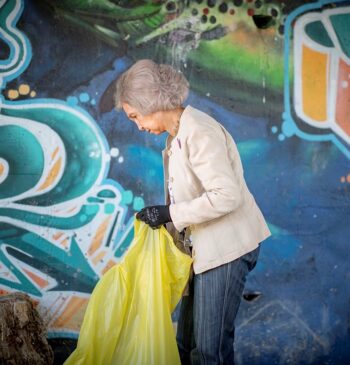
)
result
[(128, 318)]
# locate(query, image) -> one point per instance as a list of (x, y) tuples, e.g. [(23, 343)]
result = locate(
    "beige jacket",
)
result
[(210, 195)]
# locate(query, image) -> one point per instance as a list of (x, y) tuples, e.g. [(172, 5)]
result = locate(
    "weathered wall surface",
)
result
[(73, 171)]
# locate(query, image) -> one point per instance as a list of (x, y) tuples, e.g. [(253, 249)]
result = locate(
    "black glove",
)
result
[(154, 215)]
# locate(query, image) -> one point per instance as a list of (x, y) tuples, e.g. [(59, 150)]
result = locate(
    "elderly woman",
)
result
[(208, 206)]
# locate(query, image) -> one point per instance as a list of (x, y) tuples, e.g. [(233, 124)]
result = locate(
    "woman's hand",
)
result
[(154, 215)]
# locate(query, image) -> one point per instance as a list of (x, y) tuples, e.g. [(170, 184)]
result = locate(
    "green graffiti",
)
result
[(69, 267), (18, 147), (317, 32), (106, 194), (109, 208), (125, 242), (341, 23), (138, 203), (83, 217), (127, 197), (112, 23)]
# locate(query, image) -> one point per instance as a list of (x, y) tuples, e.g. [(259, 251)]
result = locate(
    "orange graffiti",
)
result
[(73, 314), (37, 279), (52, 175), (98, 238), (314, 84)]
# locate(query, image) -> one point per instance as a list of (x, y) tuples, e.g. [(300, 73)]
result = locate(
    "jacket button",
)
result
[(169, 153)]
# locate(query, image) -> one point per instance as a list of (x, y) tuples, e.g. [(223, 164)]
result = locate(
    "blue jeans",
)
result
[(207, 316)]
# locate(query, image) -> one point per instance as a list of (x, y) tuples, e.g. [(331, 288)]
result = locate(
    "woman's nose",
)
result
[(138, 125)]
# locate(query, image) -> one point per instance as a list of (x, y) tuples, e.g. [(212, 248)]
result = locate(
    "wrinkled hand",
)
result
[(154, 215)]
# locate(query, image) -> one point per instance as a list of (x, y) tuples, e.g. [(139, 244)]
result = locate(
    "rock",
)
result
[(22, 332)]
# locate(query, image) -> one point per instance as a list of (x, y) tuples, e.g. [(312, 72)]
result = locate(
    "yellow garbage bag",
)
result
[(128, 318)]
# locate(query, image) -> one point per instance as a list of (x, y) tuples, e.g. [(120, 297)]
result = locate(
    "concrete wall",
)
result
[(73, 171)]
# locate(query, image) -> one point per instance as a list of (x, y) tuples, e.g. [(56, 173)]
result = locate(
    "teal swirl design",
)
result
[(25, 171), (83, 149)]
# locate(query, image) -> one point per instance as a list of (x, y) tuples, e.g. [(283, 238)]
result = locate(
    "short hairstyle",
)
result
[(150, 87)]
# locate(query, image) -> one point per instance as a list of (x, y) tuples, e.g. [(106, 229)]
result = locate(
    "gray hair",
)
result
[(150, 87)]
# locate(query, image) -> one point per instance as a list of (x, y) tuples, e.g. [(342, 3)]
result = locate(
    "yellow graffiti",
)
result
[(13, 94), (23, 90)]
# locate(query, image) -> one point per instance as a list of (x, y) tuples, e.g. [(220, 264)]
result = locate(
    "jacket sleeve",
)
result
[(221, 182)]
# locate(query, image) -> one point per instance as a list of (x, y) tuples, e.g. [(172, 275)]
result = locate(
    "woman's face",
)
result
[(152, 123)]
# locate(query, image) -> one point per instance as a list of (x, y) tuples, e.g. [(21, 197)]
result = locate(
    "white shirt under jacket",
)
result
[(210, 195)]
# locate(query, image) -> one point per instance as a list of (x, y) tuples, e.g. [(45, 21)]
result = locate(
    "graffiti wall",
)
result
[(73, 170)]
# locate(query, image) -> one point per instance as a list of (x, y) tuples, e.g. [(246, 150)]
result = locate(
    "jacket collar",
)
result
[(183, 118)]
